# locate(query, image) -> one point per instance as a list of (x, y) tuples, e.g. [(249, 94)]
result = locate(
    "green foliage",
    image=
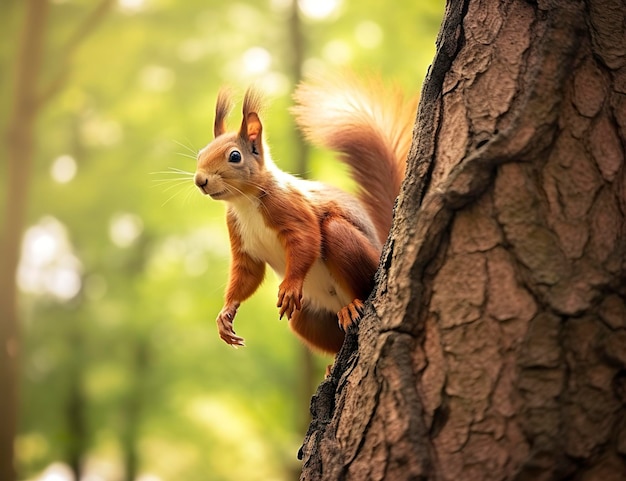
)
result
[(126, 265)]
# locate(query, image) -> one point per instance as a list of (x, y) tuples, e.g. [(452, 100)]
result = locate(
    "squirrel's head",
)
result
[(232, 165)]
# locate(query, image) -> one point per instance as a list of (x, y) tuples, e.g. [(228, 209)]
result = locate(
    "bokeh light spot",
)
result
[(63, 169)]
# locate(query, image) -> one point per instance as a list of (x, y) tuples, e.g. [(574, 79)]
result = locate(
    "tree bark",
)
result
[(494, 344)]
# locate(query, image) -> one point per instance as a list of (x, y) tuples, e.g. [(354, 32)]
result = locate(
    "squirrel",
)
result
[(324, 243)]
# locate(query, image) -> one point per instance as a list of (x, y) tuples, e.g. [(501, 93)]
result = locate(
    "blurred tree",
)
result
[(30, 97), (19, 145), (494, 347), (135, 404)]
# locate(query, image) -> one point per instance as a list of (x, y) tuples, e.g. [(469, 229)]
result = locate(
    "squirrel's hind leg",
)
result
[(318, 329), (352, 260)]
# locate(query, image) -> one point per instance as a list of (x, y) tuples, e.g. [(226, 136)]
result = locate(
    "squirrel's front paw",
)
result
[(350, 314), (289, 298), (225, 326)]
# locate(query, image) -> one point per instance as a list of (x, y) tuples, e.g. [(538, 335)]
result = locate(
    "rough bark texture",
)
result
[(494, 346)]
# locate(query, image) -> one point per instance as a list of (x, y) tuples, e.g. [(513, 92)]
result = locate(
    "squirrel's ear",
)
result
[(222, 108), (251, 128), (254, 133)]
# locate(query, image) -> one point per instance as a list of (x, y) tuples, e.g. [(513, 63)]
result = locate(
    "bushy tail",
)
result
[(371, 128)]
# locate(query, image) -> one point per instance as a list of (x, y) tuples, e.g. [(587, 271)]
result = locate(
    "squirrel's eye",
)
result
[(234, 156)]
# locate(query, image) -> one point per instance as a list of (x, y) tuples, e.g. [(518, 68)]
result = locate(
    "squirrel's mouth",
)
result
[(217, 195)]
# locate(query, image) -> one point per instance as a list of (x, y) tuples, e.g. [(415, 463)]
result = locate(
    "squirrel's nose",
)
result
[(201, 180)]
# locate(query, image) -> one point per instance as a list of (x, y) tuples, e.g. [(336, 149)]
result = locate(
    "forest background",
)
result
[(123, 263)]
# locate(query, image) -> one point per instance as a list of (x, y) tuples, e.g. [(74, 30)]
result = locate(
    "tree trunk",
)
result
[(495, 343), (28, 100), (19, 145)]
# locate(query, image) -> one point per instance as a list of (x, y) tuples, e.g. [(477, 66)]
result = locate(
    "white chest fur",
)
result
[(261, 242)]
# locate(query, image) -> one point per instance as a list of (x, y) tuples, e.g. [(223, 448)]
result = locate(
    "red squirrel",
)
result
[(324, 243)]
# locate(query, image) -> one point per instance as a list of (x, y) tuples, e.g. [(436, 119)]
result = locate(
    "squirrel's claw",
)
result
[(350, 314), (289, 300), (225, 327)]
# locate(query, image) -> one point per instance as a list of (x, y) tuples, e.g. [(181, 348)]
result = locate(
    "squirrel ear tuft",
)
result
[(222, 108)]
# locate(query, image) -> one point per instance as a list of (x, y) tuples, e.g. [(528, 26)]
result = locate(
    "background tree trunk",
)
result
[(495, 343), (19, 147), (30, 97)]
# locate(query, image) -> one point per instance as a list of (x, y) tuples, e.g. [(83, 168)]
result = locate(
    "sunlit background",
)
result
[(123, 263)]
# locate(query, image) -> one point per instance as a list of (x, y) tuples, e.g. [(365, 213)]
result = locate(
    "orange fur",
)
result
[(323, 242), (370, 126), (222, 108), (246, 273), (351, 258), (318, 329), (301, 244)]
